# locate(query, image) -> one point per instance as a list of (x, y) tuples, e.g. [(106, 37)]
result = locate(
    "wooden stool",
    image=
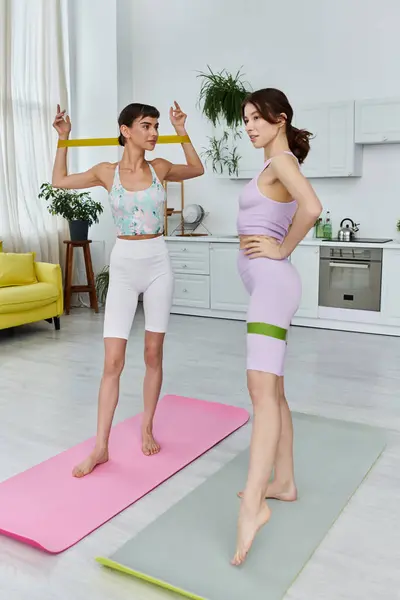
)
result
[(90, 287)]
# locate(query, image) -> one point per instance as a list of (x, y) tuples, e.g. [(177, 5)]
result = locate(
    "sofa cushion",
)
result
[(27, 297), (17, 269)]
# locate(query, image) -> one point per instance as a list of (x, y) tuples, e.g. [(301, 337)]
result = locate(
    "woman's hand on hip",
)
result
[(263, 247)]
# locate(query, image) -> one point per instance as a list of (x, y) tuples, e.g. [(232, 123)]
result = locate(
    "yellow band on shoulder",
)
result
[(163, 139)]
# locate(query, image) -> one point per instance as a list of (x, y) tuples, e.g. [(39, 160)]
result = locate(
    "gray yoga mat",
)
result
[(188, 549)]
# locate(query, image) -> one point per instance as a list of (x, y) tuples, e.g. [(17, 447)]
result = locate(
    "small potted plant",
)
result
[(102, 283), (78, 208)]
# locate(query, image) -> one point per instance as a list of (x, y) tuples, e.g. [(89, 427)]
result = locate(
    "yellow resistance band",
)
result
[(163, 139)]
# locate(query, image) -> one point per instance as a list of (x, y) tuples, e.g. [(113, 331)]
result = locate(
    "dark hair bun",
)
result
[(271, 104), (299, 142)]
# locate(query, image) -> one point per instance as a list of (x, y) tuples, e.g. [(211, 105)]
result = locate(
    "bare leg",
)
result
[(254, 511), (153, 358), (114, 361), (283, 486)]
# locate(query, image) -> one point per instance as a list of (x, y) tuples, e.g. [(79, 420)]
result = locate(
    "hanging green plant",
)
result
[(221, 97)]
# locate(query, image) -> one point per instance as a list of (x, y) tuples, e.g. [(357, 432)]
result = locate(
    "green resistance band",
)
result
[(266, 329)]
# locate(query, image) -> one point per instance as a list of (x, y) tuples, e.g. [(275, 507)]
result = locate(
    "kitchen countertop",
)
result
[(204, 238), (395, 244), (318, 242)]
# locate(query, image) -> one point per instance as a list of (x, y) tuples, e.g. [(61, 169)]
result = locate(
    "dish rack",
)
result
[(168, 212)]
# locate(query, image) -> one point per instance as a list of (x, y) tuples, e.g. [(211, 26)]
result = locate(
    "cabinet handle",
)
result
[(184, 249), (185, 290), (184, 266)]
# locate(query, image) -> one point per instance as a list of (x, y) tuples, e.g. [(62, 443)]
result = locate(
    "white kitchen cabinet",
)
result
[(306, 261), (207, 284), (190, 262), (192, 291), (390, 297), (190, 257), (377, 121), (227, 290), (333, 150)]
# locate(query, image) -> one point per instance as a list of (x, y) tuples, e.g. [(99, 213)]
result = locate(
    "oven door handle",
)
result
[(349, 265)]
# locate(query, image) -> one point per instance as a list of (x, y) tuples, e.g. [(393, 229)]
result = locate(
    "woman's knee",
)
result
[(153, 351), (262, 387), (114, 360), (114, 366)]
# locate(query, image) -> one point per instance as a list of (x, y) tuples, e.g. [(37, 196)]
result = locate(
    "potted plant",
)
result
[(221, 97), (102, 282), (221, 156), (78, 208)]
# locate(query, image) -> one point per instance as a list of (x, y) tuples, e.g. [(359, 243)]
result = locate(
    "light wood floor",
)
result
[(48, 399)]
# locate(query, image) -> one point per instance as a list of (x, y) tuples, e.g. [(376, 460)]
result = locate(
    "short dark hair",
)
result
[(132, 112)]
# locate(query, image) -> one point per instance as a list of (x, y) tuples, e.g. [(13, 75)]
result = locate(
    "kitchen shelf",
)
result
[(168, 212)]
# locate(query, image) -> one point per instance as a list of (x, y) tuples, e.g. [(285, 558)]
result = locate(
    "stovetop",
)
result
[(360, 240)]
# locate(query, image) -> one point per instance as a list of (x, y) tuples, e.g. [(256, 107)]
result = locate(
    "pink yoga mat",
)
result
[(48, 508)]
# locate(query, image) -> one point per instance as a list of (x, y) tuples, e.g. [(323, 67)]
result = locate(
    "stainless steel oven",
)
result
[(350, 277)]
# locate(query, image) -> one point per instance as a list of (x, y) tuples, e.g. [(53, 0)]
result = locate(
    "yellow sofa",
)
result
[(29, 291)]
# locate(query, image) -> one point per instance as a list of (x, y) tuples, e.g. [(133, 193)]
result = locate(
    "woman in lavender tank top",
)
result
[(276, 210)]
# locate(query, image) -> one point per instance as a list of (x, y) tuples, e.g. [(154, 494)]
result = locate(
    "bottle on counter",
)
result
[(319, 228), (327, 227)]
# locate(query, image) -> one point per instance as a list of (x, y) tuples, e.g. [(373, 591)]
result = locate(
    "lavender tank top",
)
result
[(260, 215)]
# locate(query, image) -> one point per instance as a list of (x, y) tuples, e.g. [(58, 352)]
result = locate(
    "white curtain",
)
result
[(33, 80)]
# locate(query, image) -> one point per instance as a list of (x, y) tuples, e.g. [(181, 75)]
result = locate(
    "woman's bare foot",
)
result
[(149, 444), (250, 522), (279, 491), (98, 457)]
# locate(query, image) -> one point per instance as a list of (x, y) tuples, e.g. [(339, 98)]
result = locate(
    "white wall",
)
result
[(125, 52), (314, 51), (94, 101)]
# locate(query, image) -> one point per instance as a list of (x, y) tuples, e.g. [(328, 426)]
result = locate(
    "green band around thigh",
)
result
[(266, 329)]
